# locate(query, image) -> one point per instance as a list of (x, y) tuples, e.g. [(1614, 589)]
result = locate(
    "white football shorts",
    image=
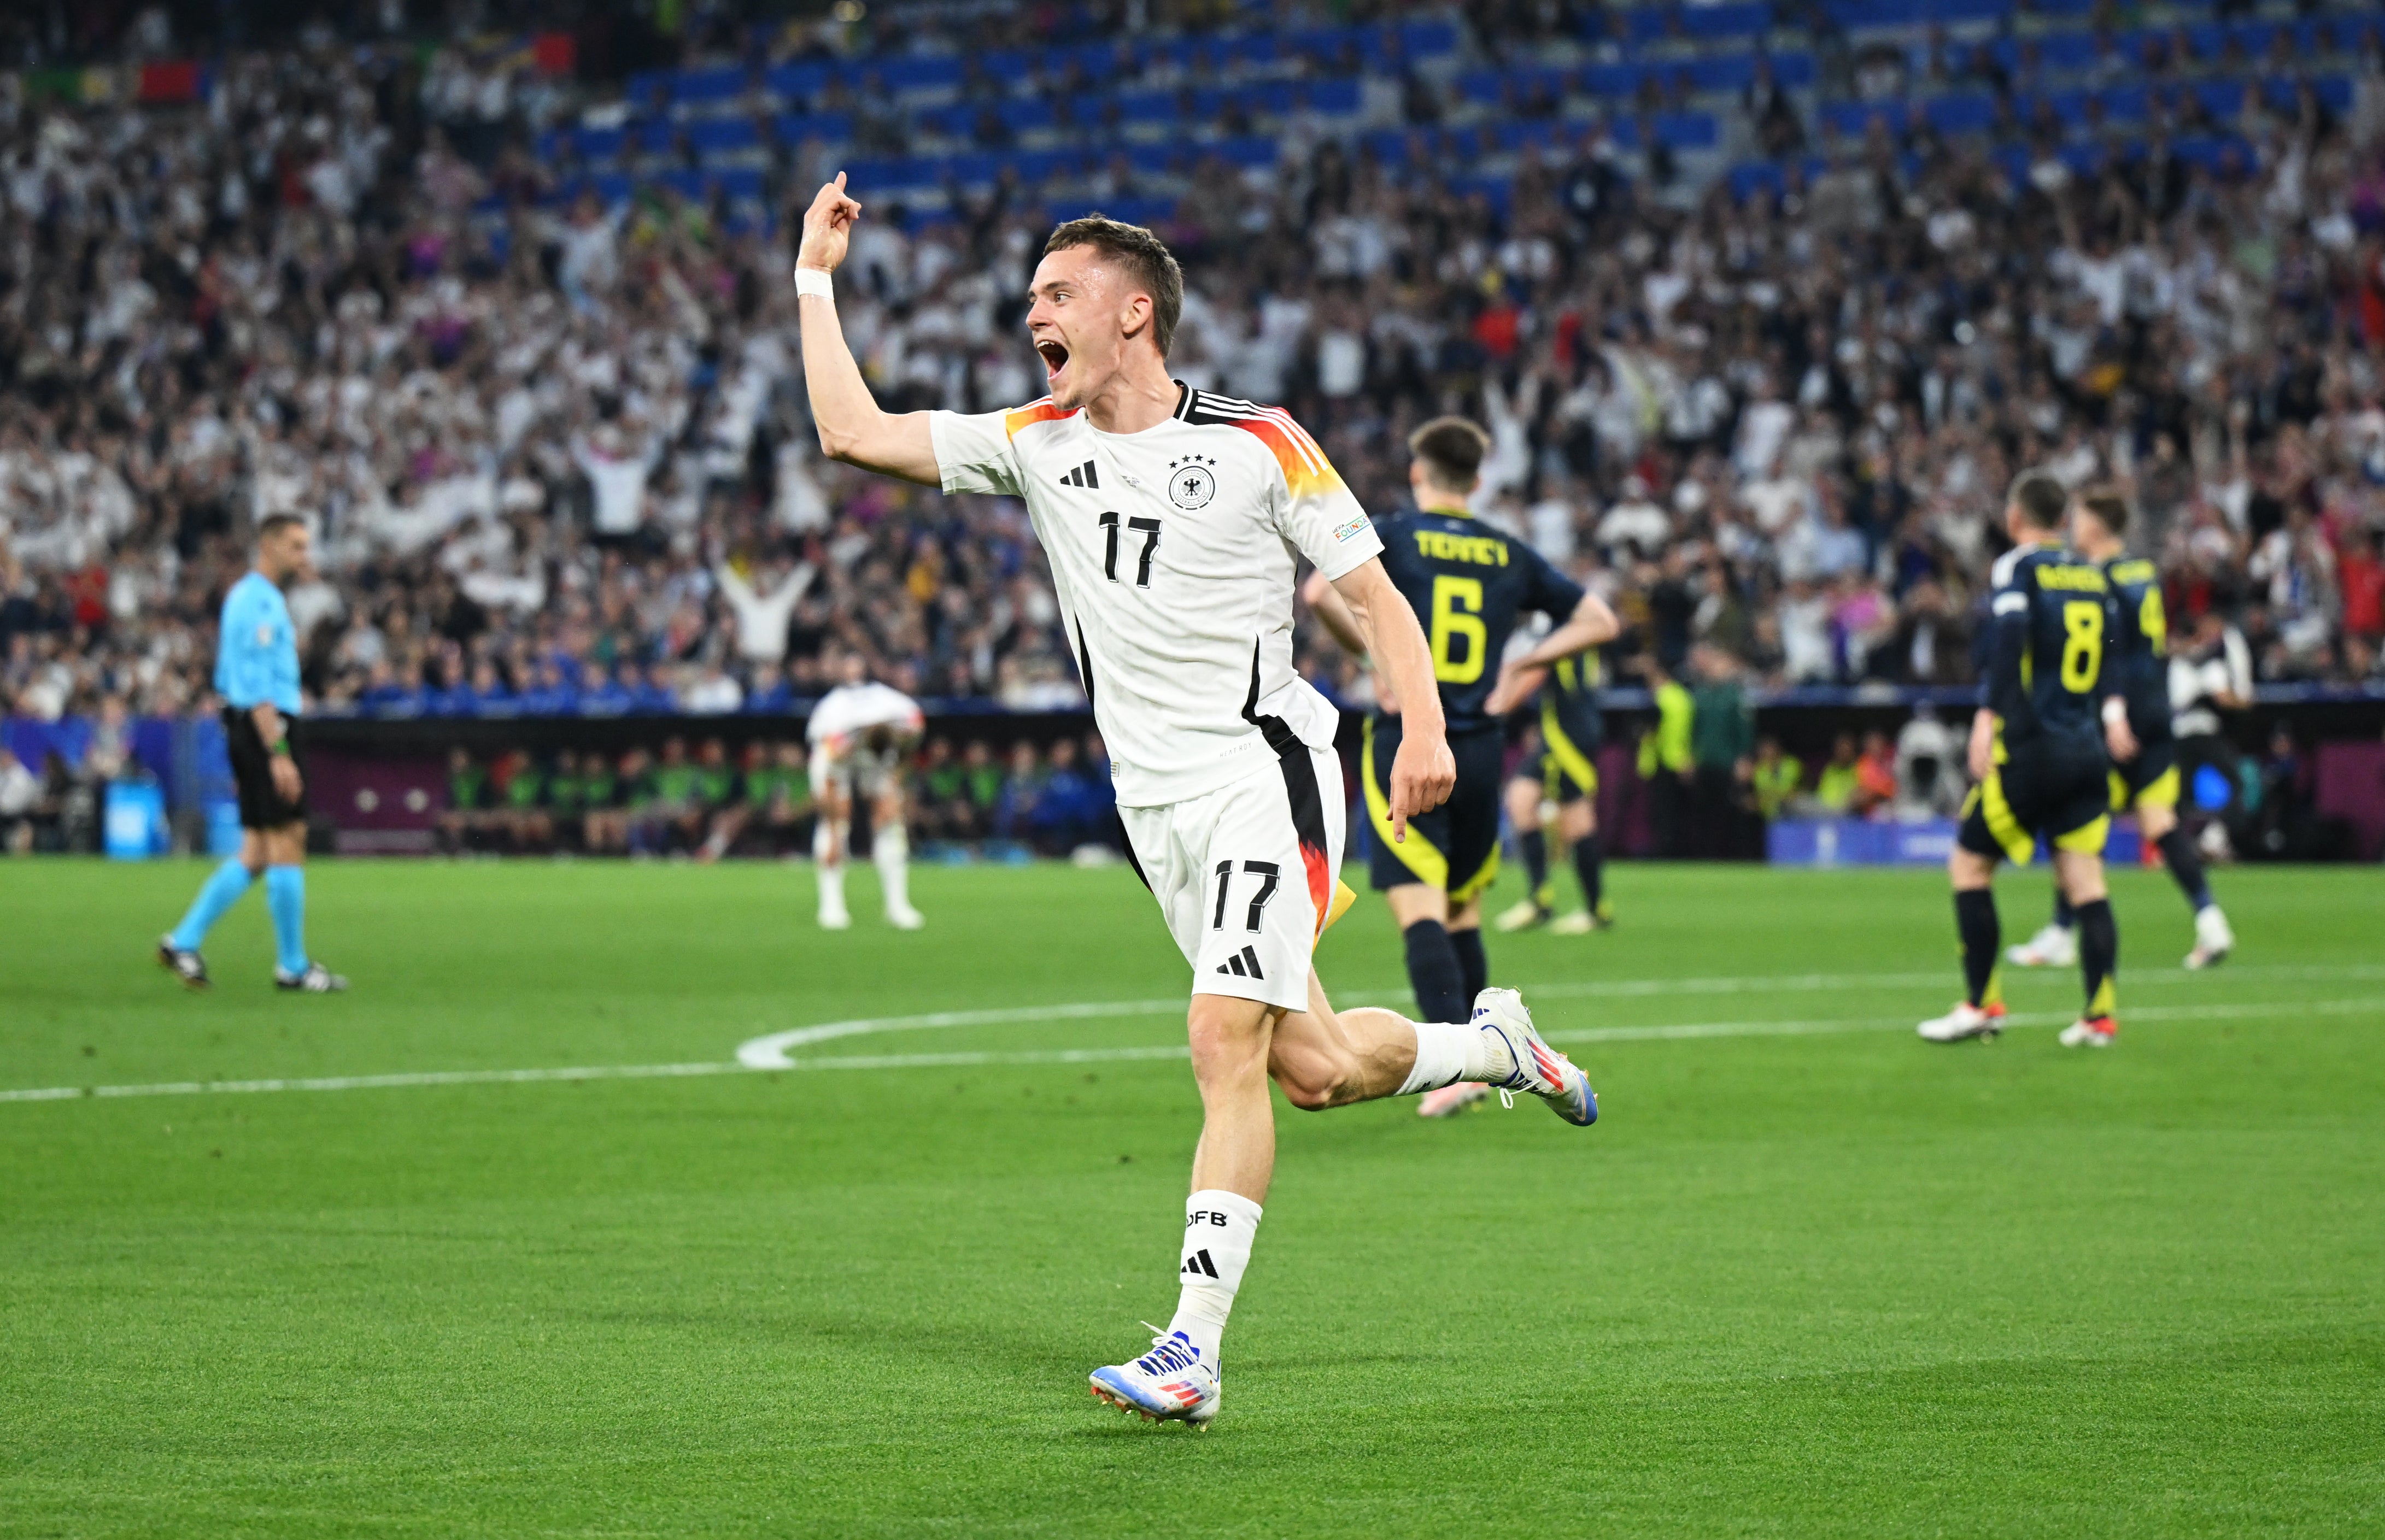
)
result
[(1245, 874), (861, 773)]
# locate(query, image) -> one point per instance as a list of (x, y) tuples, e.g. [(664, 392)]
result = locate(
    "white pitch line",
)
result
[(1112, 1055), (770, 1052)]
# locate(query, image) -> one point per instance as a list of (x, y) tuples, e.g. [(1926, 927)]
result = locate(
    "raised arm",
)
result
[(1424, 772), (1591, 624), (852, 426)]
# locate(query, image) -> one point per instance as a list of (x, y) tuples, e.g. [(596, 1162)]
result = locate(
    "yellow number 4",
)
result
[(2082, 645), (1457, 612)]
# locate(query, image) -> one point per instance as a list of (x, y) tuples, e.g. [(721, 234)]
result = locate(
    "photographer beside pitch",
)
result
[(256, 674), (1171, 518)]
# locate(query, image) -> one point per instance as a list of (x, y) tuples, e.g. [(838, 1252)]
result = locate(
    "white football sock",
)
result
[(1450, 1052), (831, 872), (1219, 1229), (891, 849)]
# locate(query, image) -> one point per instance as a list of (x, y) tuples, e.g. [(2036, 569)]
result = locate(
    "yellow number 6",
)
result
[(1457, 612)]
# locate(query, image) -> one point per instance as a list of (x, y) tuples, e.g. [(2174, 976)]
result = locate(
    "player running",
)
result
[(1172, 519), (1471, 586), (2039, 759), (2148, 781), (860, 734), (1572, 728), (256, 674)]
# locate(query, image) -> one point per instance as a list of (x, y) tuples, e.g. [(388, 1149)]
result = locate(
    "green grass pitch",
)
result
[(1807, 1276)]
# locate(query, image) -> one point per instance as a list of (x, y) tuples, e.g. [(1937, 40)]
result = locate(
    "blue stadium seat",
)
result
[(1147, 106), (1688, 130), (717, 136), (1853, 119), (792, 128), (704, 87), (1969, 112), (738, 183), (1725, 20), (804, 79)]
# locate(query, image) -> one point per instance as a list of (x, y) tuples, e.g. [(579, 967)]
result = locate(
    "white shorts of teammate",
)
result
[(1245, 874), (861, 773)]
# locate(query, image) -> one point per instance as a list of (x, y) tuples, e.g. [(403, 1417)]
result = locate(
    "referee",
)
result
[(256, 674)]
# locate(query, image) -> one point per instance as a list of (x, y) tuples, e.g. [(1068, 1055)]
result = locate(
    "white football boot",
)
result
[(2086, 1031), (2053, 947), (1523, 916), (1963, 1024), (1170, 1383), (834, 916), (2212, 938), (1540, 1068), (903, 916), (1452, 1098)]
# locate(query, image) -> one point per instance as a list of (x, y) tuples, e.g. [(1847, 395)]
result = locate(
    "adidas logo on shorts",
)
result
[(1243, 965)]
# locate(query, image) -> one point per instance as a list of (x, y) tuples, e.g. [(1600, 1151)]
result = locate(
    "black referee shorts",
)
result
[(1455, 846), (262, 806)]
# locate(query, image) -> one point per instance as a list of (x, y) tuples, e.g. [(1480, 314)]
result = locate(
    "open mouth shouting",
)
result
[(1056, 357)]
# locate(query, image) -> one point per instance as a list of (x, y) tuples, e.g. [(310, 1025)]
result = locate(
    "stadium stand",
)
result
[(1764, 304)]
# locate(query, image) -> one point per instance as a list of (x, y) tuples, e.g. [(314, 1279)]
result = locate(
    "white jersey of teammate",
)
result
[(1174, 550), (838, 727)]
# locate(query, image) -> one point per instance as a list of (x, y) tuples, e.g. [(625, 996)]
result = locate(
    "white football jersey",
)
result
[(1173, 551), (850, 709)]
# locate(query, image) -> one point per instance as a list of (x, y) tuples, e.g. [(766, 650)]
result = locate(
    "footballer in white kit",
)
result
[(1174, 550), (859, 733), (1175, 521)]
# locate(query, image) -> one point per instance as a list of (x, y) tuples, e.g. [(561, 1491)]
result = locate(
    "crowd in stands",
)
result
[(523, 346)]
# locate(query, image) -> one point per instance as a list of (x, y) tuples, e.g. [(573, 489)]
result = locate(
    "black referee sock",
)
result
[(1433, 973), (2186, 867), (1590, 866), (1533, 846), (1473, 967), (1976, 923), (2099, 957), (2065, 917)]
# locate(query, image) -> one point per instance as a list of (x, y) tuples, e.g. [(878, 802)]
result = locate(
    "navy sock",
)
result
[(1473, 965), (1976, 923), (1534, 847), (1433, 973), (2064, 915), (2186, 868), (1590, 866), (2099, 957)]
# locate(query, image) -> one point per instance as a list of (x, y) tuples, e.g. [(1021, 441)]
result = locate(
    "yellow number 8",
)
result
[(1457, 612), (2082, 645)]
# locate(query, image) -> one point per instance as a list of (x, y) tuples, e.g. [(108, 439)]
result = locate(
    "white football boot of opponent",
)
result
[(1963, 1022), (1540, 1068), (2212, 938), (903, 917), (1170, 1383), (1451, 1099), (2096, 1032), (834, 916), (2052, 947)]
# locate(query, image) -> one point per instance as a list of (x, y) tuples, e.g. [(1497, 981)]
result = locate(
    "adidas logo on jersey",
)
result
[(1199, 1265), (1245, 964), (1083, 475)]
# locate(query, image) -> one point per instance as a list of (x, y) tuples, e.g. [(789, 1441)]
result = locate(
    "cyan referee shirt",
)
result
[(256, 647)]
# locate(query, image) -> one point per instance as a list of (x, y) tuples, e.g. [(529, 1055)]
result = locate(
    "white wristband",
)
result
[(813, 283)]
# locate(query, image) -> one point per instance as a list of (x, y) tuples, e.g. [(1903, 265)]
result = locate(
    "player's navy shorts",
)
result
[(1455, 846), (2058, 791), (2150, 779), (262, 806), (1569, 756)]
